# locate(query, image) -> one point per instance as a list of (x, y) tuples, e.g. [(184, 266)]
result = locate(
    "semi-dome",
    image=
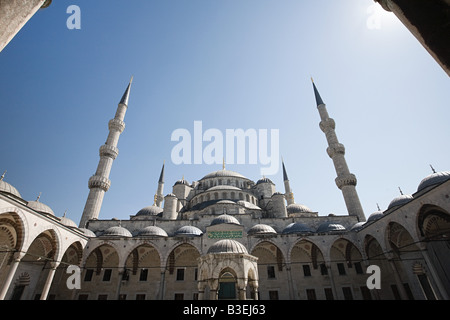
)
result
[(261, 229), (296, 227), (150, 211), (223, 173), (297, 208), (375, 216), (330, 227), (227, 246), (87, 232), (117, 231), (248, 205), (400, 200), (224, 187), (152, 231), (433, 179), (224, 218), (189, 231), (7, 188), (40, 207)]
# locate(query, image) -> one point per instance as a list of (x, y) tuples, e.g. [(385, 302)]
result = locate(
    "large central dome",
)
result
[(223, 173)]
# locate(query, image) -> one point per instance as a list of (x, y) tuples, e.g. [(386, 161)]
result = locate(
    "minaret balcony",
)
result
[(116, 124), (99, 182), (337, 148), (346, 180), (109, 151)]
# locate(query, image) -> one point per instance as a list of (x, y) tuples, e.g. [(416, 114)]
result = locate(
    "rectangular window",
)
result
[(179, 296), (306, 270), (328, 294), (107, 275), (347, 293), (270, 272), (323, 269), (180, 274), (195, 296), (88, 275), (195, 274), (140, 296), (311, 294), (102, 297), (82, 297), (341, 269), (144, 274), (358, 268), (395, 292), (366, 293), (273, 295), (122, 297)]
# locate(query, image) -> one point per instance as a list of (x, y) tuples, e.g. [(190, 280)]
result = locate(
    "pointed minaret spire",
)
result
[(126, 94), (159, 197), (287, 188), (316, 94), (345, 180), (3, 175), (99, 183)]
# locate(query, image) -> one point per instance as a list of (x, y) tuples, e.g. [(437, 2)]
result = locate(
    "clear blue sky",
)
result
[(230, 64)]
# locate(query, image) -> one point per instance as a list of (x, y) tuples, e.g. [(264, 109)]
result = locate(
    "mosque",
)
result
[(226, 236)]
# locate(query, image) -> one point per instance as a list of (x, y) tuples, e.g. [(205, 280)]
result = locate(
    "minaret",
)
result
[(345, 180), (159, 197), (99, 183), (287, 188)]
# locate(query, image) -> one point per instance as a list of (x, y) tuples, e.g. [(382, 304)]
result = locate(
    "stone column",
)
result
[(333, 286), (49, 280), (12, 270)]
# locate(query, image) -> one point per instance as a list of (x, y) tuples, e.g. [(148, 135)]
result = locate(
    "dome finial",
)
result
[(401, 192), (378, 207), (223, 163), (64, 214), (3, 175), (434, 171), (39, 196)]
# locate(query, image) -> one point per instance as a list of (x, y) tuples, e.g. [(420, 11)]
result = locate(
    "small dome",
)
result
[(182, 181), (87, 232), (67, 222), (40, 207), (375, 216), (227, 246), (7, 188), (189, 231), (357, 226), (433, 179), (150, 211), (297, 208), (223, 173), (296, 227), (261, 229), (225, 218), (400, 200), (152, 231), (171, 195), (116, 231), (330, 227), (264, 180)]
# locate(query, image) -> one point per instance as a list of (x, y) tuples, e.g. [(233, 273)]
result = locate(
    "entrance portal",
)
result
[(227, 286)]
